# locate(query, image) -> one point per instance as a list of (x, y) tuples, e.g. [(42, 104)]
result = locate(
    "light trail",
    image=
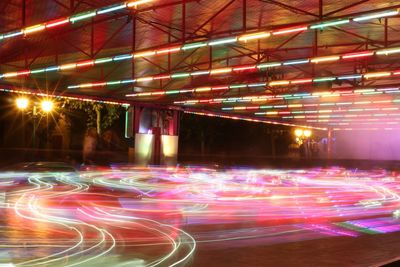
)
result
[(159, 216)]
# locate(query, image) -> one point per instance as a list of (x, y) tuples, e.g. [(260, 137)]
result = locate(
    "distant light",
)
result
[(47, 106), (298, 132), (22, 102), (307, 133)]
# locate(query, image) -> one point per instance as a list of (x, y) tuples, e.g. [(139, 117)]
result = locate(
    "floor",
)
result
[(198, 216)]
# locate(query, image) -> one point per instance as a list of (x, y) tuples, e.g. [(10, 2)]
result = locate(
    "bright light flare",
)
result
[(47, 106), (298, 132), (22, 103), (307, 133)]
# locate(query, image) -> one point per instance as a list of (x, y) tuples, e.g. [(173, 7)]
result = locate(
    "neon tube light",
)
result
[(82, 16), (296, 62), (329, 23), (358, 55), (223, 41), (377, 15), (111, 8), (290, 30), (377, 75), (35, 28), (258, 35), (56, 23), (323, 59), (136, 3), (388, 51)]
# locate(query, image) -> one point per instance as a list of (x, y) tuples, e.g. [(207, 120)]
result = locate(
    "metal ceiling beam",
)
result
[(346, 7), (368, 40), (194, 33), (291, 8), (113, 35)]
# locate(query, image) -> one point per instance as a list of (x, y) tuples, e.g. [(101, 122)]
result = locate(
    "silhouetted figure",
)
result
[(89, 146)]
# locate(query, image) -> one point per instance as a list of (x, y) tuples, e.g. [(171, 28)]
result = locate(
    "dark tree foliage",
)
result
[(98, 115)]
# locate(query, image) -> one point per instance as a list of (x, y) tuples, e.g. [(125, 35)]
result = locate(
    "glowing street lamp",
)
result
[(47, 106), (307, 133), (22, 103), (298, 132)]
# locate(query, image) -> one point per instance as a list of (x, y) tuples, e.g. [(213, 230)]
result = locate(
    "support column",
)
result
[(329, 144), (156, 136)]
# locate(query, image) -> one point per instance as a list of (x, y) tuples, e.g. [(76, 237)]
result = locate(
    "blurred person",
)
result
[(89, 145), (314, 149), (109, 140)]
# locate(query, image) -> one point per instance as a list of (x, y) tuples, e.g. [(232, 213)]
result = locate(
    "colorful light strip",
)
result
[(381, 124), (70, 97), (225, 116), (324, 111), (295, 96), (298, 105), (262, 84), (72, 19), (343, 116), (353, 120), (240, 69), (196, 90), (366, 129)]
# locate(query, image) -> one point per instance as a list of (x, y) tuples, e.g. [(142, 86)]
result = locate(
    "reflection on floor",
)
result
[(126, 216)]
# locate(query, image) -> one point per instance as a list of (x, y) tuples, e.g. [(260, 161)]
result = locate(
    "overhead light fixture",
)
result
[(377, 15), (329, 23), (324, 59), (252, 36)]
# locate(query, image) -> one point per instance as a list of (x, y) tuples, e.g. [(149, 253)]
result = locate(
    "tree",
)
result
[(99, 115)]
